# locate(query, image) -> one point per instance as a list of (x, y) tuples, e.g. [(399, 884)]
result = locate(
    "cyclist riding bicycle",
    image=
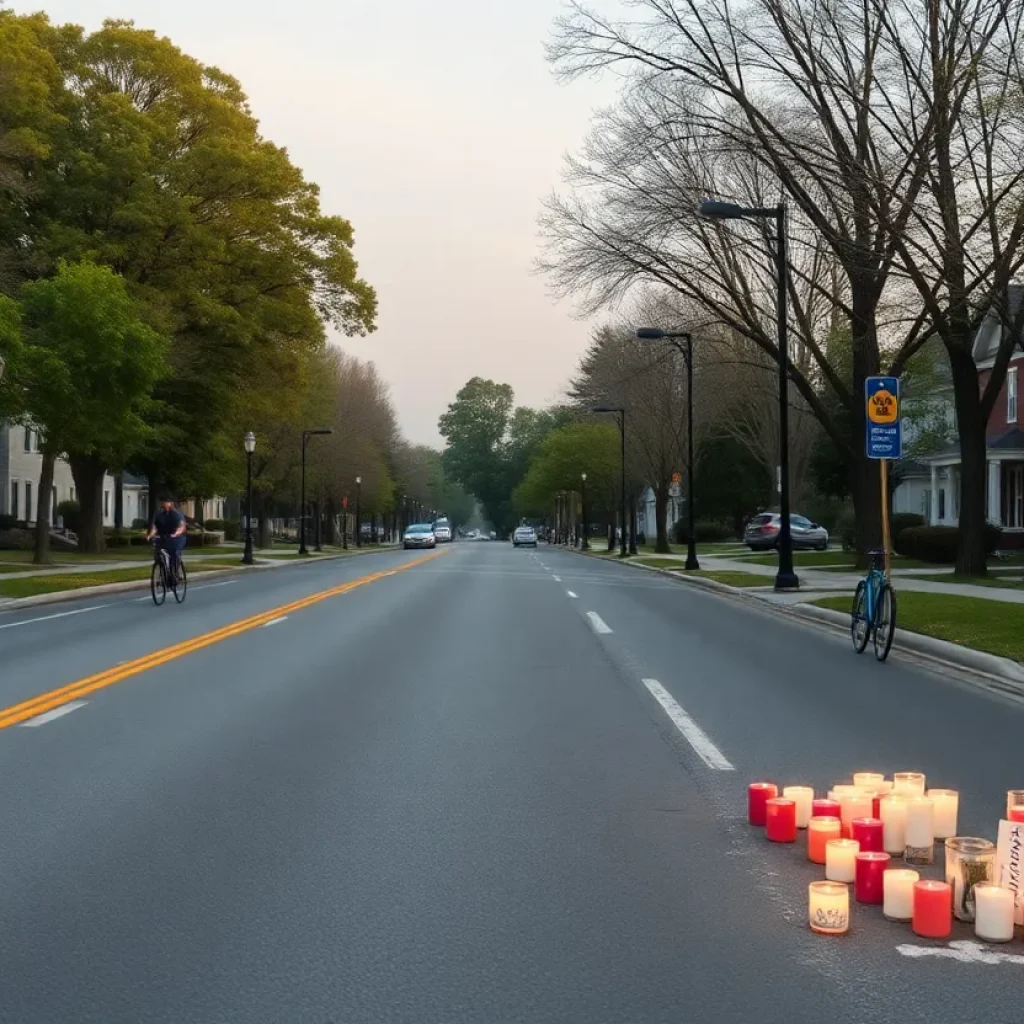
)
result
[(169, 530)]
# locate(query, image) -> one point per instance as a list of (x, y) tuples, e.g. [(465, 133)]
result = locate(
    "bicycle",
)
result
[(873, 615), (165, 577)]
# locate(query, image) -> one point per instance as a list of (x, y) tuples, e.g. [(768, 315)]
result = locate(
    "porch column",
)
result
[(995, 495), (933, 518)]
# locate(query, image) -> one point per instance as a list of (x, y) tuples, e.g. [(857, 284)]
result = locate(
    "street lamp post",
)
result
[(584, 543), (306, 435), (786, 577), (359, 495), (620, 413), (250, 447), (675, 338)]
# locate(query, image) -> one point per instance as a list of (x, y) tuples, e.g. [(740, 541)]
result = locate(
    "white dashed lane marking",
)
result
[(598, 624), (49, 716), (692, 732)]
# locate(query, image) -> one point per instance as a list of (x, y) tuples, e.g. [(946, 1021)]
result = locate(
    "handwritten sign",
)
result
[(1009, 863), (884, 435)]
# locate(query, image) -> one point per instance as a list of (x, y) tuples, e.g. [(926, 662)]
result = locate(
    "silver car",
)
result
[(762, 532), (419, 535), (525, 535)]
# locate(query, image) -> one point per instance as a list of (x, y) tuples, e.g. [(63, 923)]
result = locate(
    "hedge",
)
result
[(901, 521), (939, 543), (704, 532)]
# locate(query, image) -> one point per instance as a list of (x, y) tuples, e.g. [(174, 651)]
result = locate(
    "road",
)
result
[(445, 794)]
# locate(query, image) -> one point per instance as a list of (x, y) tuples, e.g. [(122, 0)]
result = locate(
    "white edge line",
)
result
[(274, 622), (693, 733), (598, 624), (210, 586), (572, 593), (49, 716), (56, 615)]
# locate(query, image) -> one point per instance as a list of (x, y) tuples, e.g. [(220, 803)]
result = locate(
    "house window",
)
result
[(942, 504), (106, 504), (1011, 395), (14, 498), (28, 439), (28, 502)]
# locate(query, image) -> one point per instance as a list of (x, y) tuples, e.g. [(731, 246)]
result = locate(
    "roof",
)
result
[(1012, 440), (131, 480), (992, 330)]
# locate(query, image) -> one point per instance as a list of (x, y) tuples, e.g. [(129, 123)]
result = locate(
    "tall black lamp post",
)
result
[(584, 543), (620, 414), (676, 338), (250, 447), (306, 435), (786, 578), (359, 495)]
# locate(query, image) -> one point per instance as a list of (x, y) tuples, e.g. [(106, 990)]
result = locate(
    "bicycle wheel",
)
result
[(885, 621), (860, 628), (157, 584), (179, 582)]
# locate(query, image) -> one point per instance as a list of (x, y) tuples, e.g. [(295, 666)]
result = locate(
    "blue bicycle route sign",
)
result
[(884, 427)]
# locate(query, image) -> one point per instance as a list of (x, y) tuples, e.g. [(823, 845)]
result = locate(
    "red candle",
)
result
[(780, 824), (819, 831), (869, 868), (933, 909), (1017, 812), (876, 808), (758, 794), (867, 832), (824, 808)]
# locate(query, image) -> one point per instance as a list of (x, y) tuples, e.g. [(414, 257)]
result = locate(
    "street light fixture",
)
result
[(584, 543), (676, 338), (786, 577), (620, 413), (359, 494), (250, 447), (306, 435)]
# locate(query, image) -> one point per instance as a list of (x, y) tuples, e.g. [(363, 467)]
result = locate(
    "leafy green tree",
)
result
[(90, 364), (11, 355), (731, 482)]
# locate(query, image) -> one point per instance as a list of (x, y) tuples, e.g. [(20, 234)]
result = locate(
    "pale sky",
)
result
[(435, 126)]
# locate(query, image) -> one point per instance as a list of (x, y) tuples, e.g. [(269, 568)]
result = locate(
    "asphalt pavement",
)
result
[(442, 789)]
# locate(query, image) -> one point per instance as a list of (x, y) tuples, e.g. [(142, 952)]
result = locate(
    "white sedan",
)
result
[(525, 535)]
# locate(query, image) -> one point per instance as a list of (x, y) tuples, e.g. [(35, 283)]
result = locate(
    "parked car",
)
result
[(525, 535), (419, 535), (762, 532)]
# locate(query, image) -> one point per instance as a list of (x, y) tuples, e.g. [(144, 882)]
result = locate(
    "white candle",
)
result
[(884, 788), (993, 912), (946, 803), (920, 831), (841, 859), (869, 780), (854, 805), (1013, 797), (893, 812), (908, 783), (829, 907), (898, 893), (802, 797)]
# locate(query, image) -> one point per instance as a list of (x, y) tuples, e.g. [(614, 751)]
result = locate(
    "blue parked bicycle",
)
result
[(873, 615)]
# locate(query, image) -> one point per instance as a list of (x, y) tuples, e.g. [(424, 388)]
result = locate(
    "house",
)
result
[(647, 520)]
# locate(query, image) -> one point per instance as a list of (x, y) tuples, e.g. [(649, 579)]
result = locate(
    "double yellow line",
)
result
[(55, 698)]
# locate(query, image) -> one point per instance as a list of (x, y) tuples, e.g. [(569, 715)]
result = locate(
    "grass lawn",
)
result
[(29, 586), (995, 627), (809, 558), (734, 579), (975, 581)]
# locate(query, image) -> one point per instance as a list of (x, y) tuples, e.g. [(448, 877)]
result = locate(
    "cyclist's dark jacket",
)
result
[(165, 523)]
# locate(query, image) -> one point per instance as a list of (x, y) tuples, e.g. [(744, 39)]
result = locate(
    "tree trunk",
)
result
[(200, 518), (43, 499), (970, 557), (88, 472), (661, 517), (611, 533), (632, 524), (330, 533), (154, 494), (119, 501), (263, 537), (865, 489)]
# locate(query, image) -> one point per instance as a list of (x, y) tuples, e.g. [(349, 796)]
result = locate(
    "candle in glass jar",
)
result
[(853, 805), (841, 789), (867, 832), (869, 867), (869, 780), (780, 820), (803, 797), (898, 893), (908, 783), (876, 805), (829, 907), (946, 803), (920, 833), (840, 865), (993, 912), (758, 794), (884, 788), (1013, 797), (819, 832), (824, 808), (893, 812), (933, 909), (1016, 813)]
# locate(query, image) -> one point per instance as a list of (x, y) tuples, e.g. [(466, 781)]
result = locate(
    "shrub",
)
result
[(231, 528), (117, 538), (704, 532), (900, 521), (214, 524), (8, 522), (846, 528), (939, 543), (17, 540), (71, 512), (140, 524)]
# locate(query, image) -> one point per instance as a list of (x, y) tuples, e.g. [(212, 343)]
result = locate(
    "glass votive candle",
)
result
[(920, 833), (1016, 813), (933, 915), (893, 812), (829, 907), (824, 807), (908, 783), (840, 863), (867, 832), (993, 912), (898, 893), (758, 794), (819, 832), (969, 860), (884, 788), (854, 805), (780, 820), (1013, 797), (869, 780), (946, 803), (869, 869), (803, 797)]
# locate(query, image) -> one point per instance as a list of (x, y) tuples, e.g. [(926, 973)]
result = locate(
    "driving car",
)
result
[(442, 531), (762, 532), (419, 535), (525, 535)]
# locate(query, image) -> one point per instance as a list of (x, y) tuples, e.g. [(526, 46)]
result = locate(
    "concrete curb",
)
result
[(105, 589), (1001, 670)]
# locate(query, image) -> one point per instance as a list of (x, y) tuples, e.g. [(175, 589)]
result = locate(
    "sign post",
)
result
[(884, 439)]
